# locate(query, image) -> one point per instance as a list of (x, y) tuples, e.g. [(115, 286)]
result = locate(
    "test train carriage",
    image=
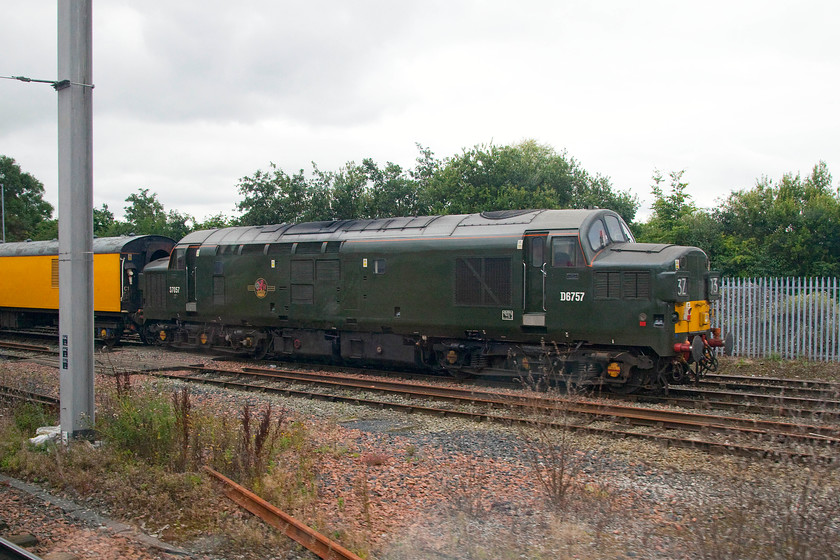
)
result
[(29, 282), (546, 292)]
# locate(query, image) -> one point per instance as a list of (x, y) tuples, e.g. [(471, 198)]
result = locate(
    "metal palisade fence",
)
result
[(789, 318)]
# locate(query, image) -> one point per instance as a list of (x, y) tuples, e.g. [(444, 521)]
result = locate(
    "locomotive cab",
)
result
[(653, 299), (619, 313)]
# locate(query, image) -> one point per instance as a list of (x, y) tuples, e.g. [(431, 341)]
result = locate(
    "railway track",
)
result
[(801, 408), (782, 401), (773, 386), (8, 345), (11, 393), (783, 381), (687, 396), (708, 402), (719, 433)]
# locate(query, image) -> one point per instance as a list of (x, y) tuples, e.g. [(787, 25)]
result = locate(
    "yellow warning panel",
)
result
[(694, 316)]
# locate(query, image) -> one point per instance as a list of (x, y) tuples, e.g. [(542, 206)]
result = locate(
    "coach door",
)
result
[(534, 271)]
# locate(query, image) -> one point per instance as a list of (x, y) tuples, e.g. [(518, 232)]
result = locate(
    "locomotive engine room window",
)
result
[(379, 266), (564, 252), (598, 238), (483, 281)]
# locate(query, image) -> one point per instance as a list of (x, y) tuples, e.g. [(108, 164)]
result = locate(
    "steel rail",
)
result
[(774, 407), (727, 378), (26, 347), (291, 527), (756, 397), (825, 393), (11, 551), (18, 394), (812, 406), (770, 409)]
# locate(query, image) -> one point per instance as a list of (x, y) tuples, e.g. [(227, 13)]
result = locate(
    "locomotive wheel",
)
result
[(457, 373), (633, 384), (160, 338), (205, 341), (110, 342), (453, 363), (678, 373), (260, 350)]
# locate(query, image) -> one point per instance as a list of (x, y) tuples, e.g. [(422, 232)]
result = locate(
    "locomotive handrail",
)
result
[(544, 274)]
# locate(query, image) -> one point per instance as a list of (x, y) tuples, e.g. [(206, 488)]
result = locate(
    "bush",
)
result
[(143, 426), (28, 417)]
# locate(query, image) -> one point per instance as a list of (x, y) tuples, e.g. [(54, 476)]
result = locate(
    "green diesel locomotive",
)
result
[(566, 294)]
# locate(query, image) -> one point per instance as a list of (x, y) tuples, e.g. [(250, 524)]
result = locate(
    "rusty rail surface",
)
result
[(291, 527), (26, 347), (13, 393)]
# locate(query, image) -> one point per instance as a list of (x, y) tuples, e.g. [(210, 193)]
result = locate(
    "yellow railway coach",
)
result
[(29, 282)]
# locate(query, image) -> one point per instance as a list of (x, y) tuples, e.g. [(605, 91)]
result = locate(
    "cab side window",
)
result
[(564, 252), (598, 238), (615, 229), (178, 260)]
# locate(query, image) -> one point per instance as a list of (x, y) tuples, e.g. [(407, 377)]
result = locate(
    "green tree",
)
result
[(390, 192), (144, 215), (273, 197), (46, 230), (785, 228), (347, 191), (25, 207), (103, 221), (674, 215), (525, 175), (425, 168), (214, 222)]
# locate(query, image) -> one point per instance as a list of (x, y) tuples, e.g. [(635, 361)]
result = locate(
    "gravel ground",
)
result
[(417, 486), (58, 526)]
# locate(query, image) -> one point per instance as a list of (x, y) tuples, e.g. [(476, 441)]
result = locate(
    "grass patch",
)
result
[(146, 468)]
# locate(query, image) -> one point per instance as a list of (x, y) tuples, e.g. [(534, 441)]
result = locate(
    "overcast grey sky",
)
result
[(192, 95)]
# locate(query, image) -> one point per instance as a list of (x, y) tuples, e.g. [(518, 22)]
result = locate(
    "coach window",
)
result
[(598, 238), (564, 252)]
